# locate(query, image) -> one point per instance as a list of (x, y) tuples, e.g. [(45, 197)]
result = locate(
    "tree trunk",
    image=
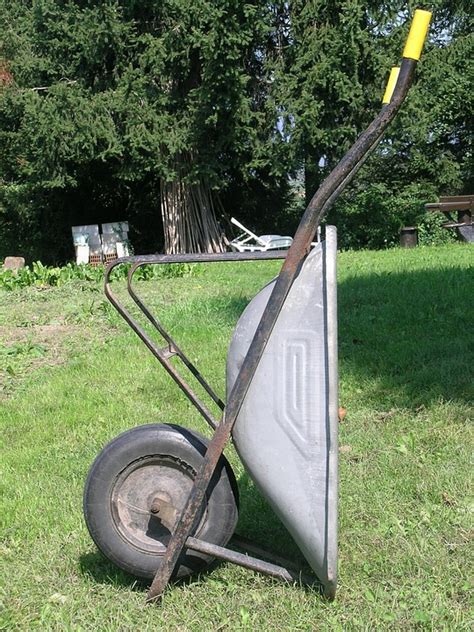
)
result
[(189, 217)]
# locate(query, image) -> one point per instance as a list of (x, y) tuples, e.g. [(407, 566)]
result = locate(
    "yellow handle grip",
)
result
[(391, 83), (417, 34)]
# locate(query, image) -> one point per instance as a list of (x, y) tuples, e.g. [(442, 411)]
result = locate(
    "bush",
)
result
[(370, 215), (431, 232)]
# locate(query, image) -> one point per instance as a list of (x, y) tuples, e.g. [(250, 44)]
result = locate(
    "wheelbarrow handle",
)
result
[(413, 47), (391, 83), (417, 35), (320, 203)]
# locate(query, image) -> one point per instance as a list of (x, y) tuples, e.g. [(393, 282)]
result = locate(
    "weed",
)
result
[(41, 275)]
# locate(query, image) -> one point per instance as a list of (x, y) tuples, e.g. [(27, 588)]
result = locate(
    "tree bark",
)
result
[(189, 217)]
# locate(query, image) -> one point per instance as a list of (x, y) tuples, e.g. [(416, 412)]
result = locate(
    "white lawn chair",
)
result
[(249, 242)]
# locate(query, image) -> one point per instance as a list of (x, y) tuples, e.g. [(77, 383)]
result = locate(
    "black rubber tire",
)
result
[(168, 451)]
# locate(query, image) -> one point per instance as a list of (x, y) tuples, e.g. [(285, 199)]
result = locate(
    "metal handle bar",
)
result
[(164, 355)]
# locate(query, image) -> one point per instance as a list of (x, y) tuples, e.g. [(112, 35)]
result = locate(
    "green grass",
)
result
[(73, 376)]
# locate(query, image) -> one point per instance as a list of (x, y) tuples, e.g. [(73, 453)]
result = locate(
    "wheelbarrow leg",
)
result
[(185, 524)]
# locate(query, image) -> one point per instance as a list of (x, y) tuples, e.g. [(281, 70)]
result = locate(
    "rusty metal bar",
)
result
[(160, 355), (244, 544), (252, 563), (197, 258), (319, 204), (177, 351)]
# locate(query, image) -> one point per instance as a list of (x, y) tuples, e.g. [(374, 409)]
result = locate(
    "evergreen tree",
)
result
[(126, 102), (331, 81), (122, 109)]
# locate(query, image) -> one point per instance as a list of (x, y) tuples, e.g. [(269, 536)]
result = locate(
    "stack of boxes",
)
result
[(95, 248)]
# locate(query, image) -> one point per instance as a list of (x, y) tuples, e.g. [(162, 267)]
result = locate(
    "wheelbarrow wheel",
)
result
[(137, 488)]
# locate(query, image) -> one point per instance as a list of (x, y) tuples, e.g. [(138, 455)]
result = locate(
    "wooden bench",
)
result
[(463, 206)]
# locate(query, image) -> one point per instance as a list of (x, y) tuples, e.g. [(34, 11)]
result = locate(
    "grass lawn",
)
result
[(72, 376)]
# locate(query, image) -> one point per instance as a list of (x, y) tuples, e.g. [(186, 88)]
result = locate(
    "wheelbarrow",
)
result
[(161, 500)]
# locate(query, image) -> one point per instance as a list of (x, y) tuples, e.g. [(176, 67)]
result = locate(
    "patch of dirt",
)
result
[(52, 335), (9, 335), (26, 349)]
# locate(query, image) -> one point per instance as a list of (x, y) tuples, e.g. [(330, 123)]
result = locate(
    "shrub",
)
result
[(370, 215)]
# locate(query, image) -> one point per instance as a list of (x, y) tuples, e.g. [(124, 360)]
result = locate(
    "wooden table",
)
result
[(462, 205)]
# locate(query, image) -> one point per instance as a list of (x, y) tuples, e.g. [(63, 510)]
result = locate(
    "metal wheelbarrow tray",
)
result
[(161, 501)]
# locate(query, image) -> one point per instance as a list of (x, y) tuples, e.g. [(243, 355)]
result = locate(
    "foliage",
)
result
[(107, 100), (371, 214), (43, 276), (427, 152), (431, 231), (331, 81), (328, 80)]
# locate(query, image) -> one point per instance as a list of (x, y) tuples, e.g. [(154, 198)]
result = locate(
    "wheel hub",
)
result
[(147, 499), (162, 508)]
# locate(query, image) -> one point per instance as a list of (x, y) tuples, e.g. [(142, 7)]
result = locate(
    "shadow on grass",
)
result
[(407, 335), (102, 571), (258, 522)]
